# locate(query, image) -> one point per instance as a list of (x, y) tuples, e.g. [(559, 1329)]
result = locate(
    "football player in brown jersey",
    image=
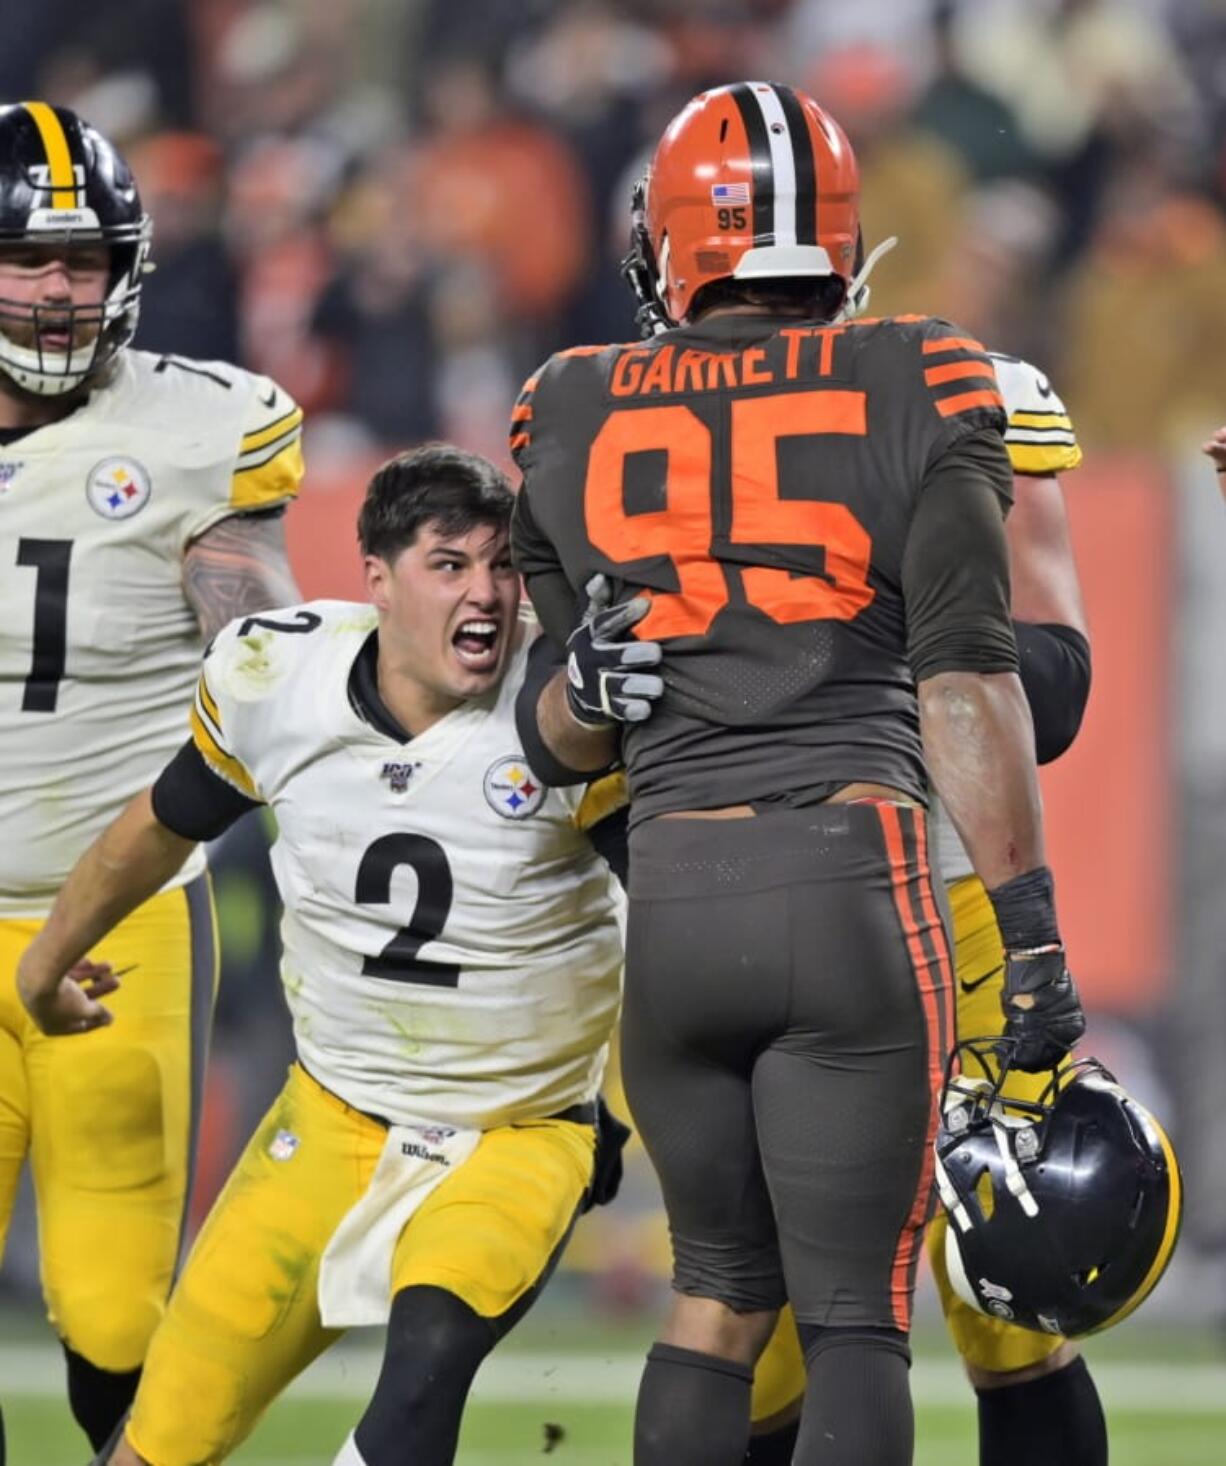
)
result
[(806, 514)]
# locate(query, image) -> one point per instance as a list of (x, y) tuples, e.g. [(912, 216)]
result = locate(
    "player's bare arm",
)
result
[(1048, 613), (609, 678), (978, 735), (582, 747), (1042, 571), (237, 567), (133, 857), (979, 748)]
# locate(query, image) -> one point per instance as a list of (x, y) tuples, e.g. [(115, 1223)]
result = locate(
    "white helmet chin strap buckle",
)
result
[(856, 301)]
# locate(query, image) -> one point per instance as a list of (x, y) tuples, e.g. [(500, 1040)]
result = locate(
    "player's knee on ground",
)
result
[(435, 1343)]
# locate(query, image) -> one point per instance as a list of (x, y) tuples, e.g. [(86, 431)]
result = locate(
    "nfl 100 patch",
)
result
[(512, 789), (118, 488)]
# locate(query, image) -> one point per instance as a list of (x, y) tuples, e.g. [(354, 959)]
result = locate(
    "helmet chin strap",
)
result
[(855, 303)]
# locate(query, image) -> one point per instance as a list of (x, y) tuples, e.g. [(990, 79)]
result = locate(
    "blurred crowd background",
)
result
[(397, 208)]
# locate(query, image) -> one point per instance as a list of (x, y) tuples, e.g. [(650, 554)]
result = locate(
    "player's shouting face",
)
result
[(450, 604)]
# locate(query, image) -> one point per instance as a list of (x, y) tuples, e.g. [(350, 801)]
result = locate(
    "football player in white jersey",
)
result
[(452, 962), (138, 504)]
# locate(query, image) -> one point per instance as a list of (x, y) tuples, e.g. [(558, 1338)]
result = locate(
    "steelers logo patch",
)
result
[(118, 488), (512, 789)]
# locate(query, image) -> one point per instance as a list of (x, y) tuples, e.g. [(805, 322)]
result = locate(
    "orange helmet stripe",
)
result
[(59, 159)]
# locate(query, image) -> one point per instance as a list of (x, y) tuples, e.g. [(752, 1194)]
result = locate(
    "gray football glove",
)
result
[(605, 683)]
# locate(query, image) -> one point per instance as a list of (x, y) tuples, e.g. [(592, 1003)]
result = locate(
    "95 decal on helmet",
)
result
[(1063, 1212)]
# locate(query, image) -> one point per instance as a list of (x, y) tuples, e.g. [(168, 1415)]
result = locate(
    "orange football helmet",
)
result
[(751, 181)]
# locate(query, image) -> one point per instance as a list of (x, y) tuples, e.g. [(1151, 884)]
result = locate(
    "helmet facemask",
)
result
[(97, 332), (640, 271)]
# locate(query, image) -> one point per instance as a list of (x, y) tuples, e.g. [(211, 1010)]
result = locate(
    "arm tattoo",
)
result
[(237, 567)]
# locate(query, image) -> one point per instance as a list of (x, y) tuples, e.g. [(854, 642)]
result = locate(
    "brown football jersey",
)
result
[(758, 479)]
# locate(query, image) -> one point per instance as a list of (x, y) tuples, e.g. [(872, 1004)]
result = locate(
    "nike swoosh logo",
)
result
[(978, 982), (271, 399), (1043, 386)]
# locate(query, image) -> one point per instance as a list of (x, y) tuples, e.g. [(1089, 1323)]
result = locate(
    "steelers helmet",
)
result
[(1063, 1212), (61, 182)]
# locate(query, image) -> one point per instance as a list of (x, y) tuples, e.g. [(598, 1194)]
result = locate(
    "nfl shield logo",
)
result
[(283, 1145)]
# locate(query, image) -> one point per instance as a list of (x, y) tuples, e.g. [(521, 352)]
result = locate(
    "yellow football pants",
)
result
[(244, 1319), (108, 1120), (988, 1343)]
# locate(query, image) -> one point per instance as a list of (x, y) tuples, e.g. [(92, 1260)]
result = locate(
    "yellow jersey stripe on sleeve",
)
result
[(259, 437), (222, 763), (601, 798), (1043, 458), (1054, 421), (209, 703), (270, 482)]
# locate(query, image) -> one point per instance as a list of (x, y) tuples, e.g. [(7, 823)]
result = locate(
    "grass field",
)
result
[(1165, 1395)]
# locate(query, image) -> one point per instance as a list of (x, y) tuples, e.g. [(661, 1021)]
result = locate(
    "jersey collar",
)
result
[(364, 696)]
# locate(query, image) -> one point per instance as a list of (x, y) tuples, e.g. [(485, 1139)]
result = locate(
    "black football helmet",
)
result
[(61, 182), (1063, 1213)]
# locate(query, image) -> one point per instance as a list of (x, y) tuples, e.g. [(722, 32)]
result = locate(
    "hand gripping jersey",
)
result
[(1041, 441), (99, 648), (452, 952), (759, 478)]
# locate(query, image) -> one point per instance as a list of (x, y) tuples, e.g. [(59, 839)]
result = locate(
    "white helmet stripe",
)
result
[(783, 164)]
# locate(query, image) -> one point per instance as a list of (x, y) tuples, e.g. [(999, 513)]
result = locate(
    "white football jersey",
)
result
[(451, 943), (1041, 441), (99, 648)]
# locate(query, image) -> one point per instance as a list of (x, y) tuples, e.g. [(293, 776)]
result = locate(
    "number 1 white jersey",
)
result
[(452, 950), (99, 648)]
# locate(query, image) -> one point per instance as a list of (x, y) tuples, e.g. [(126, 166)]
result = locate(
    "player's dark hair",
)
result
[(438, 485), (815, 298)]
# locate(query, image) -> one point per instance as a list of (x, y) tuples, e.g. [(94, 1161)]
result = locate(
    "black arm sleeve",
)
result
[(555, 603), (544, 659), (955, 568), (194, 802), (1056, 679), (611, 838)]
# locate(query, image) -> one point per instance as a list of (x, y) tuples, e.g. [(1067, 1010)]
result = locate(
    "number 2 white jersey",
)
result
[(1041, 441), (452, 950), (99, 648)]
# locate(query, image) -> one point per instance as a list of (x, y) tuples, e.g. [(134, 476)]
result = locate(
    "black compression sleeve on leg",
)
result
[(99, 1398), (1056, 1419), (858, 1398), (435, 1342), (693, 1409), (773, 1447)]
